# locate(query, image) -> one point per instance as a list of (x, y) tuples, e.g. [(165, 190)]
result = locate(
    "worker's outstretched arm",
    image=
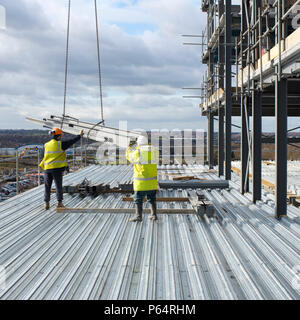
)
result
[(67, 144)]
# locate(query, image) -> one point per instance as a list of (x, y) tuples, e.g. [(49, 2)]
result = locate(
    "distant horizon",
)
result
[(233, 132)]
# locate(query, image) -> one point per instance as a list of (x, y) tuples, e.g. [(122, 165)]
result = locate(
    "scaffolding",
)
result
[(252, 52)]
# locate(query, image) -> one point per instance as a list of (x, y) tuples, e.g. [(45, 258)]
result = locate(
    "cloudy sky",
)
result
[(144, 62)]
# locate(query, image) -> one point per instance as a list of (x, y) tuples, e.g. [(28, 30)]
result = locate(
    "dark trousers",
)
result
[(57, 176), (140, 195)]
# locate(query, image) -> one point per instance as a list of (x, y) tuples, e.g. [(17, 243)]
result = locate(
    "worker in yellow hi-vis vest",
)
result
[(144, 159), (54, 164)]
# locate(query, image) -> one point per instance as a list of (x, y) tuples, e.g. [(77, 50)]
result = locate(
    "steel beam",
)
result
[(122, 211), (96, 132), (194, 184), (281, 90), (164, 199)]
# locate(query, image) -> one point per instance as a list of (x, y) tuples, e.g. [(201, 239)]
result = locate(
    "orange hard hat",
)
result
[(56, 132)]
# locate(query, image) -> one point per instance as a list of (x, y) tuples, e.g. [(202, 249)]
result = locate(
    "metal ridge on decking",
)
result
[(243, 253)]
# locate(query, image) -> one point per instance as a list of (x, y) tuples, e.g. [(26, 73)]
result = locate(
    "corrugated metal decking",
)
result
[(244, 254)]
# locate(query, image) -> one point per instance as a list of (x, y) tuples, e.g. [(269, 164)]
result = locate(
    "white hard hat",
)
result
[(142, 140)]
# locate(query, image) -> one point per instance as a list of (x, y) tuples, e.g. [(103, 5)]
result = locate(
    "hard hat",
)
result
[(56, 132), (142, 140)]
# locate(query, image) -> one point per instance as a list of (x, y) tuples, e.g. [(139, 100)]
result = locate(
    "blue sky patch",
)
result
[(123, 4), (135, 28)]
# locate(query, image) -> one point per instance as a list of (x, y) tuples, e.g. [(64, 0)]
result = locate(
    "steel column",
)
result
[(221, 141), (256, 144), (244, 145), (221, 58), (281, 90), (244, 112), (210, 139), (210, 119), (256, 116), (228, 91)]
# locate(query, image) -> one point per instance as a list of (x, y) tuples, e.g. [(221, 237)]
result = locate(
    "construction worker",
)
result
[(54, 163), (144, 158)]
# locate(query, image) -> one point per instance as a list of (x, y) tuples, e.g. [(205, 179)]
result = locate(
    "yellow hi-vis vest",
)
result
[(144, 160), (54, 157)]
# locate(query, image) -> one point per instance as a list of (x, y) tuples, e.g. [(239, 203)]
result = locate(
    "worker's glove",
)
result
[(81, 133)]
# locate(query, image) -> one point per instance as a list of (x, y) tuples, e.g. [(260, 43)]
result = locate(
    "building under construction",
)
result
[(252, 55), (213, 239)]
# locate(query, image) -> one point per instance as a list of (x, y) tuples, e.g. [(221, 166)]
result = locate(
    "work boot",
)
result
[(60, 205), (138, 214), (153, 215), (47, 206)]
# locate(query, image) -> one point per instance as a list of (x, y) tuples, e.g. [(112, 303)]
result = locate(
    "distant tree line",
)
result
[(17, 138)]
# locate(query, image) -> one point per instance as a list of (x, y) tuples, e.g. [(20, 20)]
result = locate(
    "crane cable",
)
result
[(67, 63), (101, 122), (99, 66), (99, 63), (99, 70)]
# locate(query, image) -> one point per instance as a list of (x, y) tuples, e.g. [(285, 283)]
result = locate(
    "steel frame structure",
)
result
[(256, 40)]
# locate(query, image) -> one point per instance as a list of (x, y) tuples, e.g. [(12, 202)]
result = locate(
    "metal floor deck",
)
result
[(243, 254)]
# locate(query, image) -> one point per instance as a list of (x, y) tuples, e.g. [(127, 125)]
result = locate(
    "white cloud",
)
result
[(143, 73), (2, 18)]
